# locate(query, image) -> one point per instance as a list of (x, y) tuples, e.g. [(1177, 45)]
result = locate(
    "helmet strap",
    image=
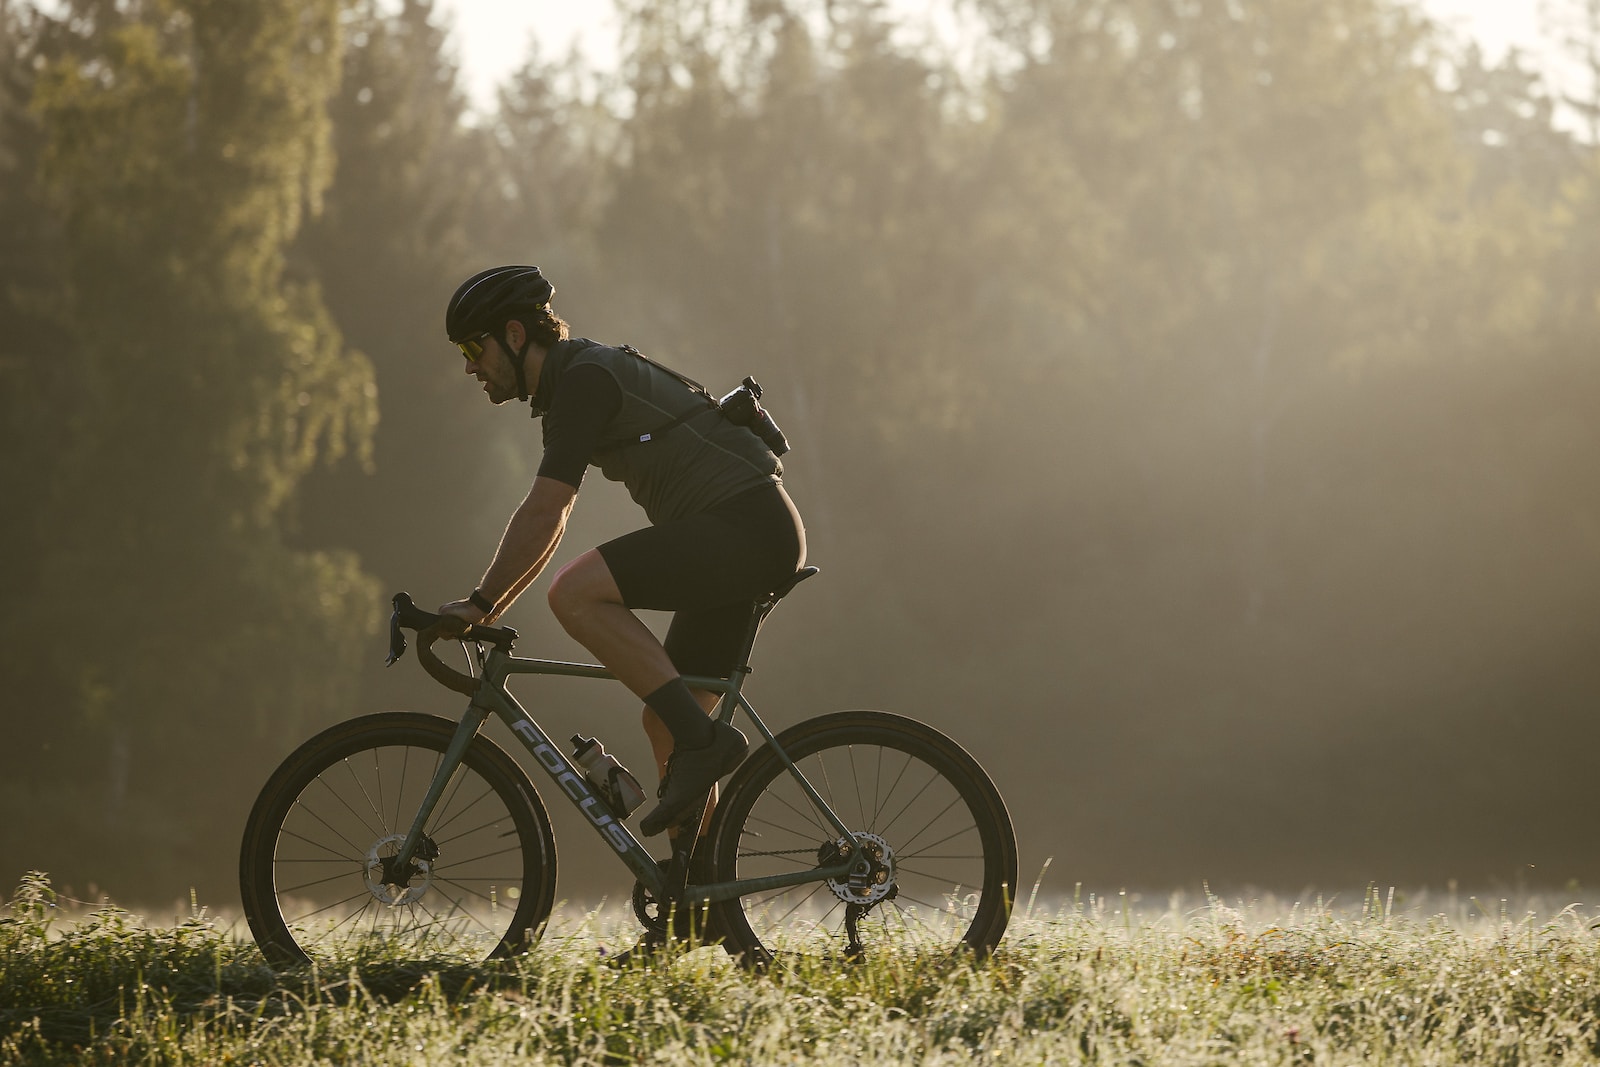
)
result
[(518, 360)]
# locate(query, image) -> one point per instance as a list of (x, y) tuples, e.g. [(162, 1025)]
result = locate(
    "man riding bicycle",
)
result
[(722, 530)]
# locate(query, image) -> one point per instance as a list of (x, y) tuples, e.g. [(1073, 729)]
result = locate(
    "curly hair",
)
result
[(544, 326)]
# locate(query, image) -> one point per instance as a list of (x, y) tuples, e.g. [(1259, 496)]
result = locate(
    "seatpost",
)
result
[(758, 613)]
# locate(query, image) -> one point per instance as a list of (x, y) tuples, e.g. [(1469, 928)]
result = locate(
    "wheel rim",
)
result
[(335, 882), (923, 880)]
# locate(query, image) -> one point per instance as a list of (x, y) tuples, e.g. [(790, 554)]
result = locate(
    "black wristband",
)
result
[(481, 602)]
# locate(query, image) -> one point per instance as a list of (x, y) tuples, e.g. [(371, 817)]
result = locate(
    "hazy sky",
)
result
[(492, 35)]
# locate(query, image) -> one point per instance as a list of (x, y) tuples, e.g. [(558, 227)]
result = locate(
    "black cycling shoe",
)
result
[(690, 775)]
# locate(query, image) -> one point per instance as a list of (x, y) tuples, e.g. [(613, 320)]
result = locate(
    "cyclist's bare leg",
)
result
[(586, 600), (588, 604)]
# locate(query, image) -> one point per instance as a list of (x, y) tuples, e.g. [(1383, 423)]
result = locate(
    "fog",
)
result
[(1194, 413)]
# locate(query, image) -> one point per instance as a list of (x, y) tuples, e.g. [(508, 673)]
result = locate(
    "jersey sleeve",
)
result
[(587, 401)]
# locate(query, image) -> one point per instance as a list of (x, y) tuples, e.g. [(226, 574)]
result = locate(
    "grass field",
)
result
[(1380, 980)]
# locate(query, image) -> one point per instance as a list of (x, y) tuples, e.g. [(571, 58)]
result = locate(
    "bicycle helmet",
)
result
[(484, 302)]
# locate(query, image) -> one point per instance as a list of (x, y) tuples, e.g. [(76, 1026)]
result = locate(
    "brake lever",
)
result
[(405, 613), (397, 639)]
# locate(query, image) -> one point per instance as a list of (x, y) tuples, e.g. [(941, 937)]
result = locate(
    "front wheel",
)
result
[(316, 869), (941, 854)]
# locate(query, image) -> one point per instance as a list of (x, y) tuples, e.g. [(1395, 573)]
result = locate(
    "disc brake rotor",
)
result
[(390, 887), (872, 877)]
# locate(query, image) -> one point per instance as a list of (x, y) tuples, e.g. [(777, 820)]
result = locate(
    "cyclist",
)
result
[(722, 530)]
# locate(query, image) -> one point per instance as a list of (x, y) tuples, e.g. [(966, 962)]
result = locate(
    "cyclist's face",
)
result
[(493, 368)]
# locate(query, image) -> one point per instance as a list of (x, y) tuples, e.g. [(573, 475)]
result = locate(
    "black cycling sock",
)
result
[(682, 714)]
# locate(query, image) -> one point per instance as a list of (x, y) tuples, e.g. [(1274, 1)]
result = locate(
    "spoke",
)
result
[(930, 822), (923, 851), (335, 904), (943, 909), (457, 909), (890, 791), (438, 923), (877, 780), (905, 923), (441, 826), (935, 777), (329, 932), (820, 925), (468, 889), (497, 820), (801, 902), (900, 869), (457, 779), (359, 817), (378, 809), (822, 766), (855, 776), (399, 796), (342, 856), (320, 881), (809, 816), (487, 855), (332, 829), (781, 828)]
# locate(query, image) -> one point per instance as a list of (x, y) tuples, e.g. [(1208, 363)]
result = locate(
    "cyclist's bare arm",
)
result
[(530, 539)]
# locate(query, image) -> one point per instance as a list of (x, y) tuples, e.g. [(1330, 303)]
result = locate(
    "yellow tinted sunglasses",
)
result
[(472, 347)]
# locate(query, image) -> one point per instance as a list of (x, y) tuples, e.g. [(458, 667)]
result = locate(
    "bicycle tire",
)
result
[(311, 866), (926, 793)]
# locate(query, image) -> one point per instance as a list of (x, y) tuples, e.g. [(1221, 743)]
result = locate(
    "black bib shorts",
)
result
[(709, 569)]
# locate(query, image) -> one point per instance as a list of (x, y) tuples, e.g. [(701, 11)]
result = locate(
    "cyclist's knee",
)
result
[(580, 585), (560, 595)]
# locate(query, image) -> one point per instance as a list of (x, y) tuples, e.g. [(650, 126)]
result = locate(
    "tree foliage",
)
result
[(183, 145)]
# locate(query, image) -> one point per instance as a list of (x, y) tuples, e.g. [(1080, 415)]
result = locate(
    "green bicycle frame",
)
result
[(495, 666)]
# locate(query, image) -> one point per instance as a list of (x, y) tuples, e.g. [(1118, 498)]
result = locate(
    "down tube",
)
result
[(576, 788)]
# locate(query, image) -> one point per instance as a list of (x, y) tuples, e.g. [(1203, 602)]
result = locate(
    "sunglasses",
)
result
[(472, 347)]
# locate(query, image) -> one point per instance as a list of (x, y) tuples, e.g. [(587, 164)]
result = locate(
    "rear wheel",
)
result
[(940, 856), (317, 872)]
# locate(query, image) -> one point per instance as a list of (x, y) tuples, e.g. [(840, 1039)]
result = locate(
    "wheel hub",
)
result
[(393, 887), (872, 877)]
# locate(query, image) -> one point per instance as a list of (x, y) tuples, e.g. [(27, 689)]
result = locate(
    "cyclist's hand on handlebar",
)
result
[(465, 611)]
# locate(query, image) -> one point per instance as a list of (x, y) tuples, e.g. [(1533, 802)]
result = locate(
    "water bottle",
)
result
[(615, 784)]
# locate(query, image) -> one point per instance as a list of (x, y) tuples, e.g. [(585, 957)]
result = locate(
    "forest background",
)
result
[(1194, 407)]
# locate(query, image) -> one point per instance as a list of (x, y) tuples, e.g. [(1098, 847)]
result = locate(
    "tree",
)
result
[(184, 143), (395, 237)]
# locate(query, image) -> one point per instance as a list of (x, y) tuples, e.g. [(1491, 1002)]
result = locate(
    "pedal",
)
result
[(692, 819)]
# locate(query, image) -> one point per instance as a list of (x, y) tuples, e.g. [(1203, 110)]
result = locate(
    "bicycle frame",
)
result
[(495, 666)]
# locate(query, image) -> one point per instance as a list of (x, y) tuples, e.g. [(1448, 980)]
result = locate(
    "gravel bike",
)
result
[(417, 836)]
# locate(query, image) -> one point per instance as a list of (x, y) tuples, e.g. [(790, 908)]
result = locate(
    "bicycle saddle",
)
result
[(788, 587)]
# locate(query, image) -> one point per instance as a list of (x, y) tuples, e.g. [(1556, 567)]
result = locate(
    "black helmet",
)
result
[(487, 299), (484, 302)]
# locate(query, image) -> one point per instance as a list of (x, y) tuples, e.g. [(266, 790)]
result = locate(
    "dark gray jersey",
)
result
[(698, 463)]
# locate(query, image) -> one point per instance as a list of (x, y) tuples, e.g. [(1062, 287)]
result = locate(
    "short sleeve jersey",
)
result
[(576, 423), (608, 407)]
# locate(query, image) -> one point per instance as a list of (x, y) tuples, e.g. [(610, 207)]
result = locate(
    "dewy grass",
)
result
[(1092, 982)]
